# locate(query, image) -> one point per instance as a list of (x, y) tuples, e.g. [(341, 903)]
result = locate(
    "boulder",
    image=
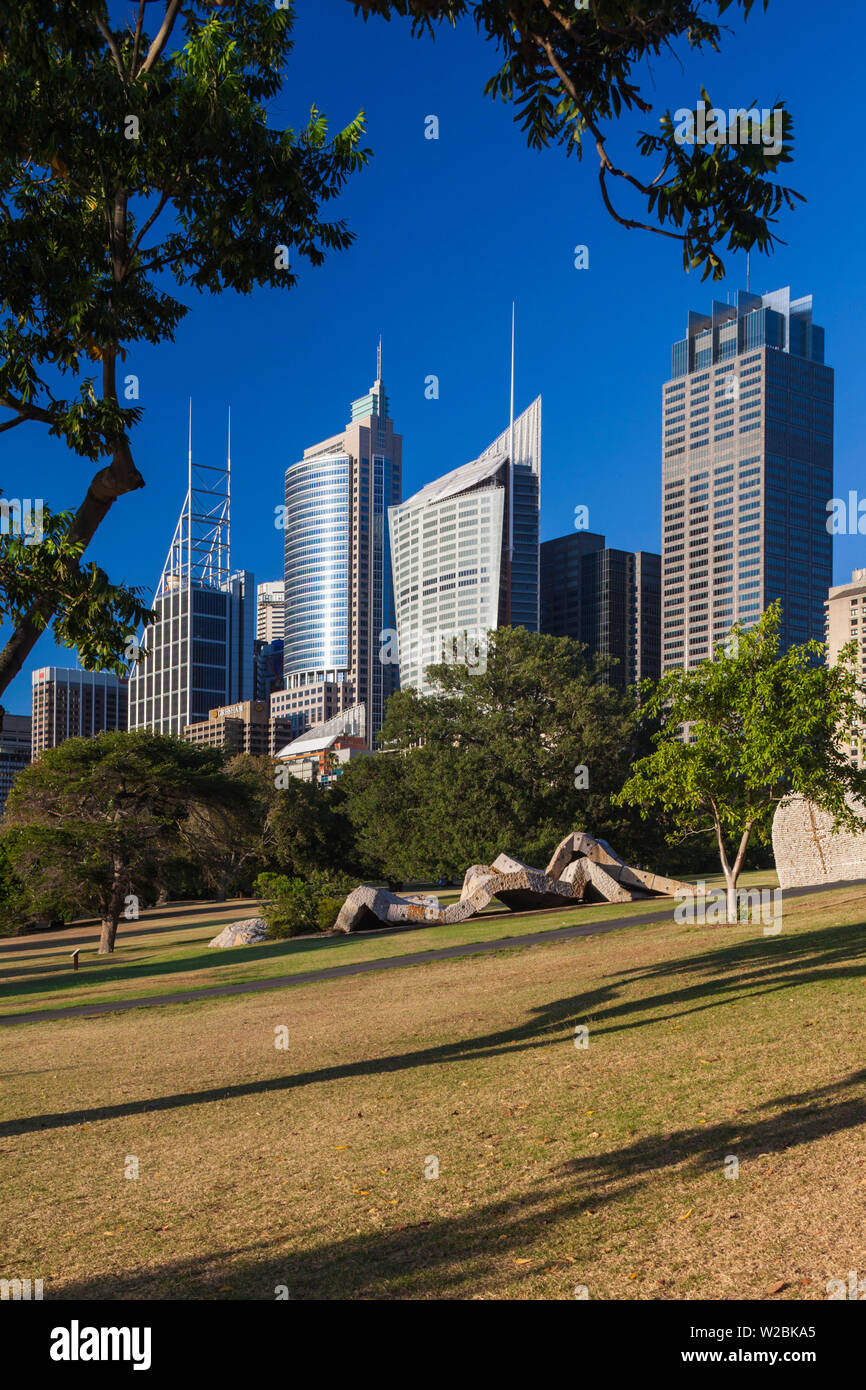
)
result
[(245, 933)]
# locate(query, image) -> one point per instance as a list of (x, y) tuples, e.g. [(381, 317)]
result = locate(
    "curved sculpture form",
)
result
[(582, 869)]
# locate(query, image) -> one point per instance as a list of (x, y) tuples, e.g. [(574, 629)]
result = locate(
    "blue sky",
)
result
[(448, 233)]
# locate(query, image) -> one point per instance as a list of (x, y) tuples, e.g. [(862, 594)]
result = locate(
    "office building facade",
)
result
[(610, 600), (271, 611), (747, 470), (75, 704), (241, 728), (562, 582), (199, 650), (15, 741), (338, 589), (465, 553), (268, 661)]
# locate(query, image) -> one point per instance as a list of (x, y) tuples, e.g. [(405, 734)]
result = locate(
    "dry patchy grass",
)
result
[(558, 1166)]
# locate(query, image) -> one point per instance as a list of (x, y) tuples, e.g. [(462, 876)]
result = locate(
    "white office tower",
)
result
[(464, 552)]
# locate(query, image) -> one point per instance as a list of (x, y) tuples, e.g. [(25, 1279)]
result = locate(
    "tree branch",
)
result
[(171, 13), (109, 39)]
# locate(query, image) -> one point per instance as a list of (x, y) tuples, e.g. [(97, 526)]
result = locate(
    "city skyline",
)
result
[(444, 309)]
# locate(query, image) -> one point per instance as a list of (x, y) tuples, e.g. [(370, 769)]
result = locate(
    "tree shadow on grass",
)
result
[(443, 1258), (823, 955), (118, 971)]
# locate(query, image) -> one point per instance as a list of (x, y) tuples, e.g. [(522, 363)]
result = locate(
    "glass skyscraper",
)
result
[(338, 594), (747, 471), (462, 563)]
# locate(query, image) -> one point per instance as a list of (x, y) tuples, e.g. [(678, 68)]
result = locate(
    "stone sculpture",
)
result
[(808, 850), (582, 869)]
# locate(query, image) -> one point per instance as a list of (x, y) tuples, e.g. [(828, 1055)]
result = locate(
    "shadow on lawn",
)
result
[(117, 971), (422, 1259), (441, 1258), (755, 969)]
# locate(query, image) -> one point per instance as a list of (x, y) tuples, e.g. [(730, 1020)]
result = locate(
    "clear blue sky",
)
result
[(448, 233)]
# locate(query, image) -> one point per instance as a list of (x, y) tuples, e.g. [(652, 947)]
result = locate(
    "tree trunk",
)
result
[(731, 881), (108, 934), (113, 907)]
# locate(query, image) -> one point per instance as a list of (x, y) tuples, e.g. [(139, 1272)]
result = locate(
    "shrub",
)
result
[(296, 906), (327, 911)]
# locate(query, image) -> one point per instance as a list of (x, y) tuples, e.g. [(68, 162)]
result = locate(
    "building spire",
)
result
[(379, 360)]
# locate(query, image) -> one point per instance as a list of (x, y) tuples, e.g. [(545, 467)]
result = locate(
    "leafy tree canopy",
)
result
[(93, 818), (571, 69), (131, 157), (745, 730), (507, 758)]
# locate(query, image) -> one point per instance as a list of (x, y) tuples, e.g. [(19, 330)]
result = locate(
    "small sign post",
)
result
[(75, 958)]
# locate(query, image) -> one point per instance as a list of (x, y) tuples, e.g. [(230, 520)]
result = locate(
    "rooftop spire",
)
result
[(379, 360)]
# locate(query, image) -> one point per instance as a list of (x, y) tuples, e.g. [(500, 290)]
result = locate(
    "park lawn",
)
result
[(559, 1167), (144, 964)]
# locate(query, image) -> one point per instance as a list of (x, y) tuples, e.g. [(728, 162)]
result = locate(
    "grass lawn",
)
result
[(168, 952), (558, 1167)]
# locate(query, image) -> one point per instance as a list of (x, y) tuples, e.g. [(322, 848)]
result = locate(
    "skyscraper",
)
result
[(338, 593), (465, 551), (75, 704), (747, 471), (14, 751), (200, 647), (271, 611), (610, 600), (561, 582)]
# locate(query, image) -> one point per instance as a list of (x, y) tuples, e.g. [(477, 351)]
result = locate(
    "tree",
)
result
[(510, 757), (568, 66), (760, 725), (128, 156), (93, 817), (233, 843)]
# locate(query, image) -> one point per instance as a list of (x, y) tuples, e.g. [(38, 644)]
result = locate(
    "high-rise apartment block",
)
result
[(200, 647), (747, 471), (338, 592), (610, 600), (465, 553), (846, 622), (75, 704), (14, 750), (271, 611)]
